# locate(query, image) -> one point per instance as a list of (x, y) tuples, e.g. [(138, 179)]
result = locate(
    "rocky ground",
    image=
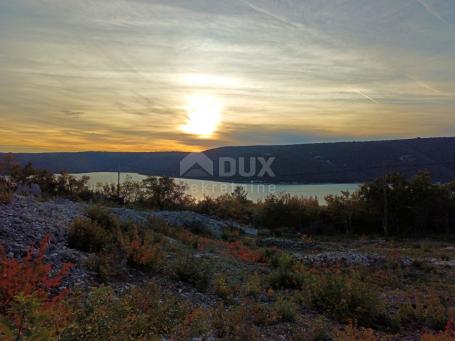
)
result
[(27, 220), (402, 268)]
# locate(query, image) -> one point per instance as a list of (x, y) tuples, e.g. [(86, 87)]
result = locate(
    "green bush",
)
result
[(222, 287), (103, 217), (136, 314), (89, 236), (285, 310), (343, 297), (253, 285), (286, 273), (192, 270)]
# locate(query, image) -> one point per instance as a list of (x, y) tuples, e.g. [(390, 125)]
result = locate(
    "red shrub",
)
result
[(29, 276), (141, 248), (30, 303), (245, 254)]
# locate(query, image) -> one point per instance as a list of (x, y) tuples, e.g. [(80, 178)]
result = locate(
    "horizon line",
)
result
[(233, 146)]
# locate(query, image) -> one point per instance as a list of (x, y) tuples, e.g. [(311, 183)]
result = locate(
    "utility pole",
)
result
[(385, 218), (118, 185)]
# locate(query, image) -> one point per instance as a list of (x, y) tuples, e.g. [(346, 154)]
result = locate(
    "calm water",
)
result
[(201, 188)]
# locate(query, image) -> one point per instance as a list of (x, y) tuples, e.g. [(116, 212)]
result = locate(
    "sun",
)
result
[(203, 115)]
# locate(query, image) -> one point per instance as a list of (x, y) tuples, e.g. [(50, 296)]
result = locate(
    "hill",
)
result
[(342, 162)]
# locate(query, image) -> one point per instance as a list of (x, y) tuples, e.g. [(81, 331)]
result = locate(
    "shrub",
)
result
[(28, 319), (30, 275), (343, 297), (284, 310), (195, 325), (103, 217), (89, 236), (95, 233), (230, 234), (143, 249), (5, 197), (136, 314), (244, 253), (240, 322), (253, 285), (429, 312), (192, 270), (30, 299), (106, 265), (286, 274), (221, 287)]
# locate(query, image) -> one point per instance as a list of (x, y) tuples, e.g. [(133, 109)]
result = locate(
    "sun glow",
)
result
[(203, 115)]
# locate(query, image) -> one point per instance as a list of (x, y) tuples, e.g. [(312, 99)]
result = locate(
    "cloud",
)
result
[(286, 70), (71, 113), (269, 14), (430, 9), (361, 93)]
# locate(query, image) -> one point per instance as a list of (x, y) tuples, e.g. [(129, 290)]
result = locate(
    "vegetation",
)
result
[(155, 280), (6, 191), (49, 184), (31, 301), (413, 206), (286, 274), (113, 243), (343, 297), (276, 295), (136, 314)]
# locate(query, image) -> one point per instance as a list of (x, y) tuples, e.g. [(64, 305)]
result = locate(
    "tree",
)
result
[(342, 208), (130, 190), (164, 193)]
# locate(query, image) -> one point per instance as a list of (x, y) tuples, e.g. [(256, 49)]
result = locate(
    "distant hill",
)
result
[(343, 162)]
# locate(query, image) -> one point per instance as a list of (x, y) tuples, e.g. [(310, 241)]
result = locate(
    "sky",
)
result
[(188, 75)]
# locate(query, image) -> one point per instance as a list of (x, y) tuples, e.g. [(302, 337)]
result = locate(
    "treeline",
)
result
[(27, 179), (391, 205)]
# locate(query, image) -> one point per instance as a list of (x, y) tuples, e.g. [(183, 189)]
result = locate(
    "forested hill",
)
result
[(341, 162)]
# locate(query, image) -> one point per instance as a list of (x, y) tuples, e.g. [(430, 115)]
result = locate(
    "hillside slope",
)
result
[(342, 162)]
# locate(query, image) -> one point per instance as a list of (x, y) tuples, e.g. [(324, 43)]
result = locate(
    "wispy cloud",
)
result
[(115, 74), (361, 93), (432, 11), (270, 14)]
